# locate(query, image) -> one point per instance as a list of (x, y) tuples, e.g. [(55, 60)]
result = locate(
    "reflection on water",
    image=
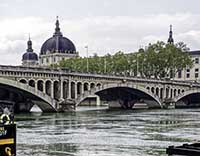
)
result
[(106, 132)]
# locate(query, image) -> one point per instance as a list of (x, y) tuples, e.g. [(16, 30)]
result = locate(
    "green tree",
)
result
[(157, 60), (162, 60)]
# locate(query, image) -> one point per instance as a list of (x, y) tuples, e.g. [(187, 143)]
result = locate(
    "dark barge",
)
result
[(184, 150)]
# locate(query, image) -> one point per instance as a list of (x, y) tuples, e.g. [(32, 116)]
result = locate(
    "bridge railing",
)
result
[(67, 72)]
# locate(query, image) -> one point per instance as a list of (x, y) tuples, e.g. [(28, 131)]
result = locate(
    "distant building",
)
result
[(53, 50), (29, 58), (187, 74), (193, 73), (56, 48)]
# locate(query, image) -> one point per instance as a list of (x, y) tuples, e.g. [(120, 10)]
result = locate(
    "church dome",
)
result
[(29, 55), (58, 43)]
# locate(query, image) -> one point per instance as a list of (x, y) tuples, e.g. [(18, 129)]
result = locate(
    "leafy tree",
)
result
[(157, 60)]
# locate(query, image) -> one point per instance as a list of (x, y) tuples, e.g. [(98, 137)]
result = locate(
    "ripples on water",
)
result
[(106, 132)]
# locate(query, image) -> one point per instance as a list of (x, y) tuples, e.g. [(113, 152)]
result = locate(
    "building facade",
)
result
[(191, 74)]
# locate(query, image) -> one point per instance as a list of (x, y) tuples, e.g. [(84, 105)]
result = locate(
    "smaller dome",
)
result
[(29, 55)]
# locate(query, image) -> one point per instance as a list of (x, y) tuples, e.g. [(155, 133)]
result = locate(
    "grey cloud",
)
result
[(102, 34)]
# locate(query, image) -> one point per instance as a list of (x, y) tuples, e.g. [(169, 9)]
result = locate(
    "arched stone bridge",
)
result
[(54, 90)]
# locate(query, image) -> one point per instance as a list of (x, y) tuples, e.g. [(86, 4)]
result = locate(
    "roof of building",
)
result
[(196, 52), (29, 55), (58, 43)]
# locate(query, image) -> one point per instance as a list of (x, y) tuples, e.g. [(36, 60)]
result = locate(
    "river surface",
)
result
[(94, 132)]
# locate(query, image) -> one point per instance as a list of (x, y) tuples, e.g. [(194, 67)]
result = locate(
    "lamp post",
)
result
[(86, 47), (137, 65), (105, 64)]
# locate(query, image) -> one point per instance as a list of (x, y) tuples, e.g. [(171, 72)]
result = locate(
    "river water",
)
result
[(94, 132)]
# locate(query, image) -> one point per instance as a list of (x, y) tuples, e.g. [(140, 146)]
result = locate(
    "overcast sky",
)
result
[(106, 26)]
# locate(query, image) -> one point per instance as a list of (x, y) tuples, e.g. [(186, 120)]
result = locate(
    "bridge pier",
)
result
[(98, 101), (169, 103)]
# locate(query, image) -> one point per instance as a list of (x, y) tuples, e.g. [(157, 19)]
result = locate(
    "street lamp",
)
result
[(105, 64), (137, 65), (86, 47)]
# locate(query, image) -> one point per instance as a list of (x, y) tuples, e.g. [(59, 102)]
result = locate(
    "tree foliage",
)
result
[(157, 60)]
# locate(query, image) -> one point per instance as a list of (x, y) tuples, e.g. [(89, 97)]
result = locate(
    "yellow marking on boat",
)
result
[(6, 141)]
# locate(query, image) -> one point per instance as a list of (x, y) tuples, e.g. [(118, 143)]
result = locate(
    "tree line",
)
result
[(158, 60)]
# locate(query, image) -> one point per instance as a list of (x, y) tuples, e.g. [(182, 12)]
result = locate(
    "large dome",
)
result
[(29, 55), (58, 44)]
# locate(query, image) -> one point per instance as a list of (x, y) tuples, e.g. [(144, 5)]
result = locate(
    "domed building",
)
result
[(56, 48), (29, 58)]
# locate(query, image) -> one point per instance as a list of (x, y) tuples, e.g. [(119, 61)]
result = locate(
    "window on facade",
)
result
[(54, 59), (188, 75), (188, 70), (42, 61), (179, 74), (196, 69), (196, 75), (196, 60), (47, 60)]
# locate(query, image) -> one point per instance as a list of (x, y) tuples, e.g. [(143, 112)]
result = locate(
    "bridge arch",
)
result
[(56, 89), (65, 89), (157, 91), (175, 92), (99, 85), (179, 91), (188, 98), (40, 85), (48, 87), (31, 83), (79, 88), (43, 101), (86, 86), (155, 101), (152, 90), (92, 85), (73, 89), (23, 81)]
